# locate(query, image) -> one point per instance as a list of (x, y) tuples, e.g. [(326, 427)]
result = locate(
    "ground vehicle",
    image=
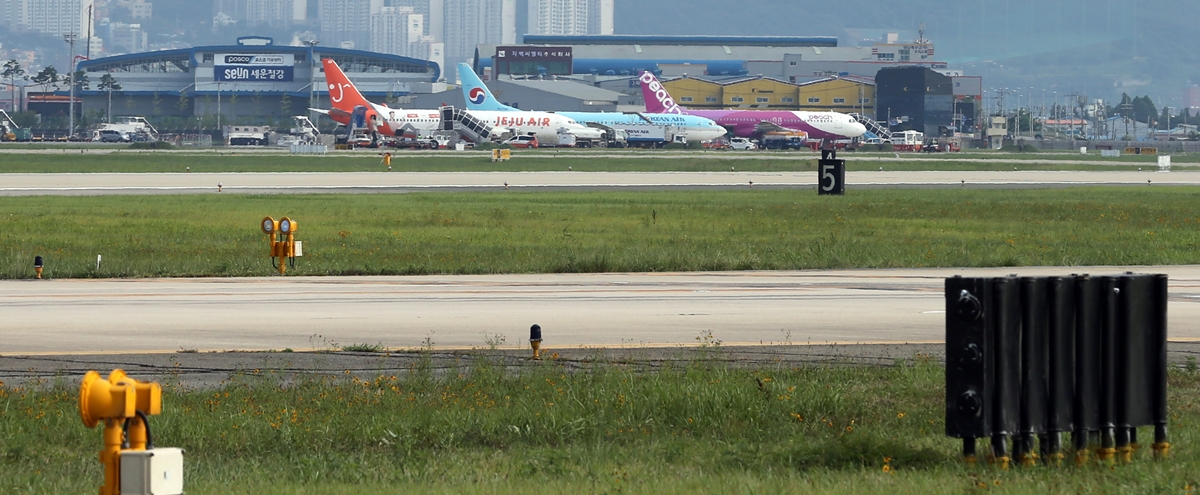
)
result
[(784, 141), (360, 140), (526, 141), (132, 128), (111, 136), (10, 131), (742, 144), (616, 138), (908, 140)]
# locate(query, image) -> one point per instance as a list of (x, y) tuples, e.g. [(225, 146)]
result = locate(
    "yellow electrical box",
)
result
[(123, 405)]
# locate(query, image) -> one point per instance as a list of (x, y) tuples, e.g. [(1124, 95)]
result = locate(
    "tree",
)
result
[(82, 82), (155, 101), (109, 84), (183, 103), (47, 77), (1144, 110), (12, 70), (285, 104)]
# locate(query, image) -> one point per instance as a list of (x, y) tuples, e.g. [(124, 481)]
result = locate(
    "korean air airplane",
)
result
[(751, 123), (479, 97)]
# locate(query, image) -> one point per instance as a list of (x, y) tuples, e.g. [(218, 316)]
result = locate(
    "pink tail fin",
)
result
[(656, 96)]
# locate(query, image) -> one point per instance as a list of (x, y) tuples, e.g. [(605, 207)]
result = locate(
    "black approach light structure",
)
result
[(1032, 358)]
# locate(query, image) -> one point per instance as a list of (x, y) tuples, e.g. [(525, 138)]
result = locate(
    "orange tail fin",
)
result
[(342, 93)]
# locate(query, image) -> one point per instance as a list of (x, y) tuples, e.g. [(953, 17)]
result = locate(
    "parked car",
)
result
[(742, 144), (111, 136), (522, 142)]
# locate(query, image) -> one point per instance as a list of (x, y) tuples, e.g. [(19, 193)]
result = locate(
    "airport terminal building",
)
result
[(252, 78)]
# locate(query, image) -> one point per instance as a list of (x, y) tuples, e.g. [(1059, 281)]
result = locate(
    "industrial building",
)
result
[(840, 94), (251, 78), (915, 98), (546, 95), (782, 57)]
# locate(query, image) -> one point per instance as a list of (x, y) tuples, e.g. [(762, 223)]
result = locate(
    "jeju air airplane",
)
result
[(544, 125), (479, 97), (350, 105), (825, 126)]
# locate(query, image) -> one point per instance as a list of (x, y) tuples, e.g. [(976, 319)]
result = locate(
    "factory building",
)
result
[(253, 78), (788, 58), (839, 94), (617, 55), (915, 98)]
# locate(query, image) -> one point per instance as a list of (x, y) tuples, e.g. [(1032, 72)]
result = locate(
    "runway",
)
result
[(400, 182), (656, 309)]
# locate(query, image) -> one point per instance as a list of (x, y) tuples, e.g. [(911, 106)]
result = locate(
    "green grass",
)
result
[(71, 161), (608, 428), (552, 232)]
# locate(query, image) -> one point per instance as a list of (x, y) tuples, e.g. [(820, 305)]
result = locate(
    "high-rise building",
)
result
[(138, 9), (275, 13), (569, 17), (127, 38), (347, 23), (396, 30), (53, 17), (469, 23)]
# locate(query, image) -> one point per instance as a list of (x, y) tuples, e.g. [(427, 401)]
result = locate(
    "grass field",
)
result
[(511, 232), (610, 428), (543, 160)]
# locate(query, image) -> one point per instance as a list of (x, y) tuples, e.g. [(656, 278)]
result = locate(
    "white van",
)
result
[(742, 144)]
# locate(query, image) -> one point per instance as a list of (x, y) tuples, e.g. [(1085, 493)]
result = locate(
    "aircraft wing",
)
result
[(765, 126), (321, 111)]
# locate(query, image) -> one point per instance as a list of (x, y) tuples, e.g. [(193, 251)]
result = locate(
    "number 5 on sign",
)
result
[(831, 176)]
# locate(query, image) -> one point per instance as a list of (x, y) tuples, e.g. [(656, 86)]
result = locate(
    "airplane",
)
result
[(479, 97), (348, 104), (825, 126)]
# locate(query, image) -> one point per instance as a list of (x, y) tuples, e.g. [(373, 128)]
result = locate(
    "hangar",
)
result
[(254, 78)]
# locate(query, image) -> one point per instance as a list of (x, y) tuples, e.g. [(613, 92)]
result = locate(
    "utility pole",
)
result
[(70, 38), (1127, 106), (1075, 98), (312, 71), (1054, 115), (89, 36)]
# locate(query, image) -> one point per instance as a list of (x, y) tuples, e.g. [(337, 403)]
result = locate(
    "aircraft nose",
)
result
[(859, 128)]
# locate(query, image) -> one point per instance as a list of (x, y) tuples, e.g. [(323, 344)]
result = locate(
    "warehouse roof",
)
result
[(627, 39)]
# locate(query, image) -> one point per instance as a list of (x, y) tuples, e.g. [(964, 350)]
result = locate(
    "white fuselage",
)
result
[(394, 119), (544, 125)]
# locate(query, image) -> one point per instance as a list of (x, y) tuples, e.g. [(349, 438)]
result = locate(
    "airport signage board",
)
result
[(532, 60), (251, 67), (534, 53)]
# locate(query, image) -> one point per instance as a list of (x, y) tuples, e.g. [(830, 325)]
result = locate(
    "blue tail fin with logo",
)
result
[(476, 93)]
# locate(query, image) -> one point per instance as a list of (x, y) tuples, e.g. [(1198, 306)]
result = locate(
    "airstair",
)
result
[(873, 126), (467, 125)]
